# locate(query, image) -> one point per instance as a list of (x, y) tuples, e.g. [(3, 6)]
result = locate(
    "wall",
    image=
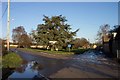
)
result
[(106, 48)]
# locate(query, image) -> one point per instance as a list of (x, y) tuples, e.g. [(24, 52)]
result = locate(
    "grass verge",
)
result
[(11, 60), (62, 52)]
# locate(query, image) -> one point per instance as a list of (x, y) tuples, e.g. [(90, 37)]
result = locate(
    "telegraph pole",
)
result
[(8, 26)]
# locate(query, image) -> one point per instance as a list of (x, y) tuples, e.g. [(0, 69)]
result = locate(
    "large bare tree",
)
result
[(103, 33), (20, 36)]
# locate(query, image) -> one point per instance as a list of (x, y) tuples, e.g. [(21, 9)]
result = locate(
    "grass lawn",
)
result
[(62, 52)]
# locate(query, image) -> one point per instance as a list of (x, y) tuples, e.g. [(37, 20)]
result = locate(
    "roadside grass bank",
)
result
[(10, 62)]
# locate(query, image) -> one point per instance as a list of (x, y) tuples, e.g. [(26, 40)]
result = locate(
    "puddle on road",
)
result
[(28, 70)]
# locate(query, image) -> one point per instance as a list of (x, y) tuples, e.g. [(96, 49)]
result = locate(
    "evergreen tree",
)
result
[(54, 29)]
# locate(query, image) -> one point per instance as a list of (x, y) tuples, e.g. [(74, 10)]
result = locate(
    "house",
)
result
[(114, 43), (116, 46)]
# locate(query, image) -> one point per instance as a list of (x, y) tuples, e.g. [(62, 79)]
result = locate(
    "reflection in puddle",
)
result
[(28, 70)]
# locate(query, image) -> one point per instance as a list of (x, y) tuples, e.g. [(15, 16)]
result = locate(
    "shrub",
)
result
[(11, 60)]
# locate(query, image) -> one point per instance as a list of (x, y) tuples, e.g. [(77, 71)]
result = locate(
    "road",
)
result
[(91, 64)]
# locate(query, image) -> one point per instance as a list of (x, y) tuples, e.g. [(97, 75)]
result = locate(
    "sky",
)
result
[(87, 16), (61, 0)]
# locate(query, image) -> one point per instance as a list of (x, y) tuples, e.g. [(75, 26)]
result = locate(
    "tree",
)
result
[(17, 32), (32, 36), (54, 29), (84, 42), (77, 43), (24, 41), (103, 33), (81, 42), (20, 36)]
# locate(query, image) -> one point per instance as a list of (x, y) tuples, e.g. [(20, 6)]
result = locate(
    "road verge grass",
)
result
[(11, 60), (61, 52)]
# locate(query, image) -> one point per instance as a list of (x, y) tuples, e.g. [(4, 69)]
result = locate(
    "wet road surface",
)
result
[(91, 64)]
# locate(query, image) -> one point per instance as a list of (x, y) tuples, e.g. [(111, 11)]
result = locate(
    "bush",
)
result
[(11, 60)]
